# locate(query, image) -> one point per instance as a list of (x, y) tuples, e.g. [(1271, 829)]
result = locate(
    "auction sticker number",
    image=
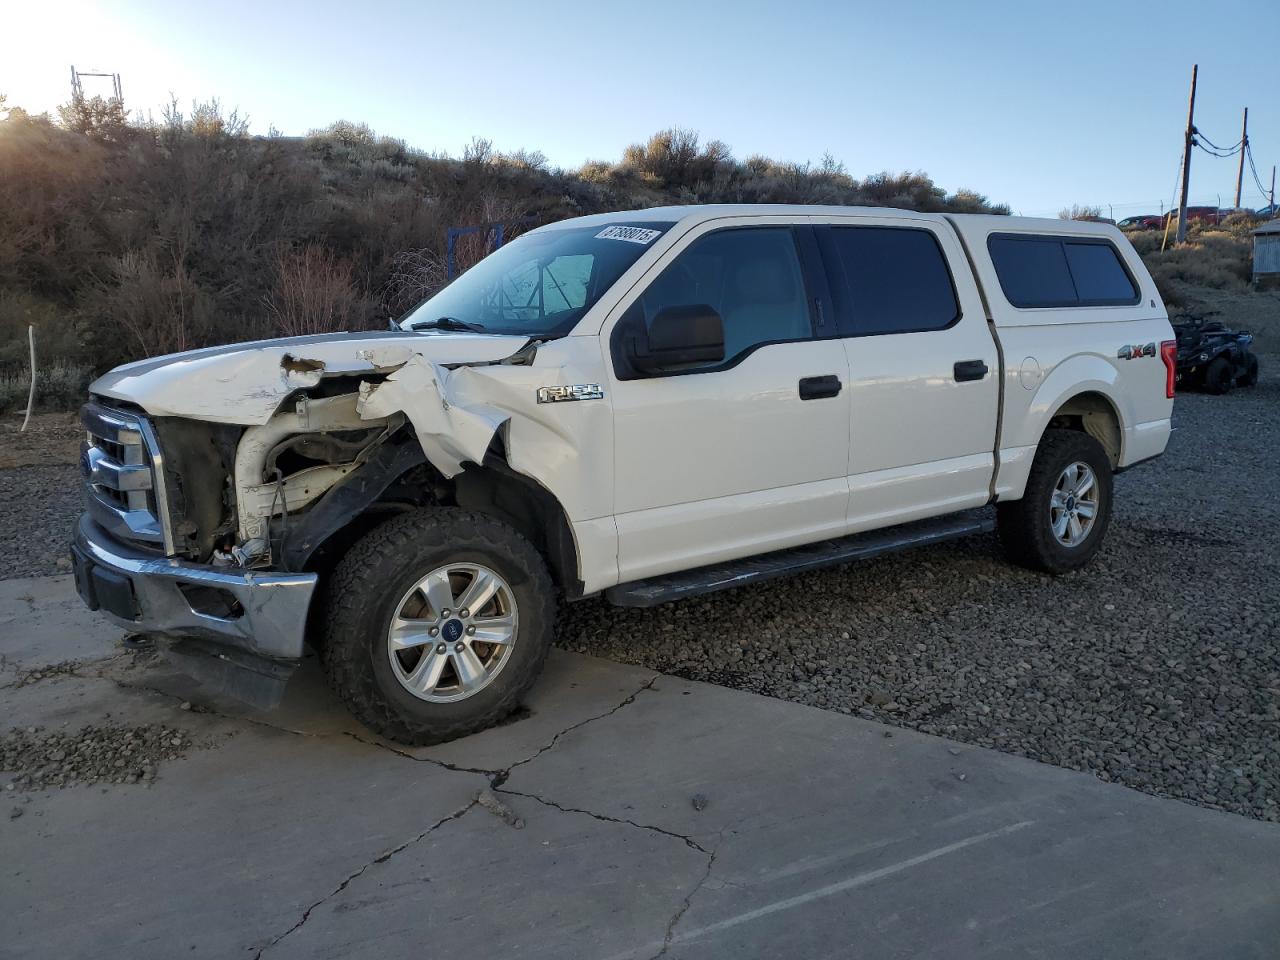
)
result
[(629, 234)]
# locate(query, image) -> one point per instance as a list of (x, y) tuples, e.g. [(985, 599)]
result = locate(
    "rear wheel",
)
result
[(1250, 376), (1060, 522), (1218, 376), (438, 623)]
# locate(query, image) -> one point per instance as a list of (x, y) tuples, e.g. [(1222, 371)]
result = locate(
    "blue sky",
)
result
[(1039, 105)]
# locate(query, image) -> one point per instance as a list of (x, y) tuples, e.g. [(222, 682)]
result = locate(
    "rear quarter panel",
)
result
[(1052, 355)]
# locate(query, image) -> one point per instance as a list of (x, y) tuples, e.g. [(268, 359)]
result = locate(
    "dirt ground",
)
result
[(50, 438)]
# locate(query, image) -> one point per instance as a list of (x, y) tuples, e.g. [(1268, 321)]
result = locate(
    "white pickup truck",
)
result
[(644, 405)]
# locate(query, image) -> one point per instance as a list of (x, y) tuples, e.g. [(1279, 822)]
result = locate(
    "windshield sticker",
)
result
[(629, 234)]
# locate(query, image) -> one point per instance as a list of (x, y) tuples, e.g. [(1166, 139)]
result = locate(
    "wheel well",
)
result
[(400, 478), (497, 490), (1092, 413)]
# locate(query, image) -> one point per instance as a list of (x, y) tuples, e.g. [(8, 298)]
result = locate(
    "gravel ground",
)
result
[(1157, 667), (92, 754), (38, 505)]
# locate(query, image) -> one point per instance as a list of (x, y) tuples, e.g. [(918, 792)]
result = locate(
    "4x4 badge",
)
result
[(1135, 351), (577, 391)]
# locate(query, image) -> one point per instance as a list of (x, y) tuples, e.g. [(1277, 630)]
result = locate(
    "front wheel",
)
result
[(438, 622), (1059, 523)]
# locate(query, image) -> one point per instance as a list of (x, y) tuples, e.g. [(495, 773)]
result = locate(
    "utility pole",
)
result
[(1244, 146), (1273, 189), (1181, 235)]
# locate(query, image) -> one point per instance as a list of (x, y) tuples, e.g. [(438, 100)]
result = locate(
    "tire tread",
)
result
[(356, 579)]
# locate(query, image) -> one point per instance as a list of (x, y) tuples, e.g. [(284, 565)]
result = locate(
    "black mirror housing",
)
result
[(676, 337)]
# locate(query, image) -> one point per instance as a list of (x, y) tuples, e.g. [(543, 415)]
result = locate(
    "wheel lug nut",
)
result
[(464, 612), (444, 613), (471, 631), (457, 648), (433, 631), (440, 648)]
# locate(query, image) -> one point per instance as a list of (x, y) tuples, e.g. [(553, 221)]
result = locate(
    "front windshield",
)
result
[(538, 285)]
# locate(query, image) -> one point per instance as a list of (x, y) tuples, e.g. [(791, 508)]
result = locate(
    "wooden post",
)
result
[(1244, 147)]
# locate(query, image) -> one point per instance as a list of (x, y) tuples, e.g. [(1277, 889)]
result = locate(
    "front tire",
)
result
[(1060, 522), (437, 623)]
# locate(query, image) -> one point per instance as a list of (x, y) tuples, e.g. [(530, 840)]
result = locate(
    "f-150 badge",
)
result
[(577, 391), (1134, 351)]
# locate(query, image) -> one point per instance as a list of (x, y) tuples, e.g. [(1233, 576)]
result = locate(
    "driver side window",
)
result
[(749, 275)]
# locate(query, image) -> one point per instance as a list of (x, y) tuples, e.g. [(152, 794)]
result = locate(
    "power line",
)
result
[(1235, 146), (1254, 170), (1218, 152)]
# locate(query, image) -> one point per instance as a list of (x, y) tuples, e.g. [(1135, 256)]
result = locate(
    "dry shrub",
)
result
[(416, 275), (156, 303), (672, 157), (1211, 257), (314, 292), (1079, 212), (59, 386)]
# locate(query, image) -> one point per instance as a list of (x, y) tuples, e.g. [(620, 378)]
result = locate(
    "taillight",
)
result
[(1169, 354)]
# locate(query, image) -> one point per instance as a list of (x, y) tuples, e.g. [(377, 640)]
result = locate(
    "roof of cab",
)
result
[(714, 211), (970, 223)]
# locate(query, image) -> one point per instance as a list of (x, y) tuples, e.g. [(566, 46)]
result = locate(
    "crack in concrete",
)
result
[(605, 818), (400, 752), (499, 776), (504, 774), (676, 917), (356, 874)]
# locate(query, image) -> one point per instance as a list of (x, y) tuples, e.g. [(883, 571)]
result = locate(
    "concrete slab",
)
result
[(43, 621), (566, 885), (813, 834), (833, 835), (227, 851)]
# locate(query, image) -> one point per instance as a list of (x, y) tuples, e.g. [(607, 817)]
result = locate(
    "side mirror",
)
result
[(678, 336)]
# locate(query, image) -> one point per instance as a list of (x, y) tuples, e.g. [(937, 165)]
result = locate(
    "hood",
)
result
[(246, 383)]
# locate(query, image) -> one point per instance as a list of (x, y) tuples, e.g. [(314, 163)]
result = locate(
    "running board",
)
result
[(740, 573)]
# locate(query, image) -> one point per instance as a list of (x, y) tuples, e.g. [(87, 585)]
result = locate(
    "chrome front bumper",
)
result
[(263, 614)]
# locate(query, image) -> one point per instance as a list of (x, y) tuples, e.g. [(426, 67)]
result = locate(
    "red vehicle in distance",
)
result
[(1151, 221)]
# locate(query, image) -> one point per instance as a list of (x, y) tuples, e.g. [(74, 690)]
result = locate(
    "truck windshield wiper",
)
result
[(446, 323)]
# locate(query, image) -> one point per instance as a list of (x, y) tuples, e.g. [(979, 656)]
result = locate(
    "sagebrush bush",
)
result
[(60, 386), (1218, 256)]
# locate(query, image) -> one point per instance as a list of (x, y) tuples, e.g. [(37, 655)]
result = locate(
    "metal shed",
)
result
[(1266, 254)]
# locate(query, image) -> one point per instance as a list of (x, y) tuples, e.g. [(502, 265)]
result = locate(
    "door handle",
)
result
[(970, 370), (816, 388)]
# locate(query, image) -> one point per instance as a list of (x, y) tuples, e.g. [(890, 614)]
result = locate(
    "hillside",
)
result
[(120, 240)]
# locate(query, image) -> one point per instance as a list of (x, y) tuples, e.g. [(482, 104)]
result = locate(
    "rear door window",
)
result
[(888, 280), (1044, 271)]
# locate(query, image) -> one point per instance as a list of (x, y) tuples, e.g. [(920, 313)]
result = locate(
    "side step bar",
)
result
[(740, 573)]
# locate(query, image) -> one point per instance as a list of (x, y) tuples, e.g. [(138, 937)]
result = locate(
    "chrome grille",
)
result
[(124, 477)]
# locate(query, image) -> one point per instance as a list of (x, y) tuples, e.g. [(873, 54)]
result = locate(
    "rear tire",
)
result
[(421, 675), (1062, 518), (1250, 376), (1218, 377)]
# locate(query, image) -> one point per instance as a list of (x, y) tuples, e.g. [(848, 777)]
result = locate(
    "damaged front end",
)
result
[(213, 481)]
